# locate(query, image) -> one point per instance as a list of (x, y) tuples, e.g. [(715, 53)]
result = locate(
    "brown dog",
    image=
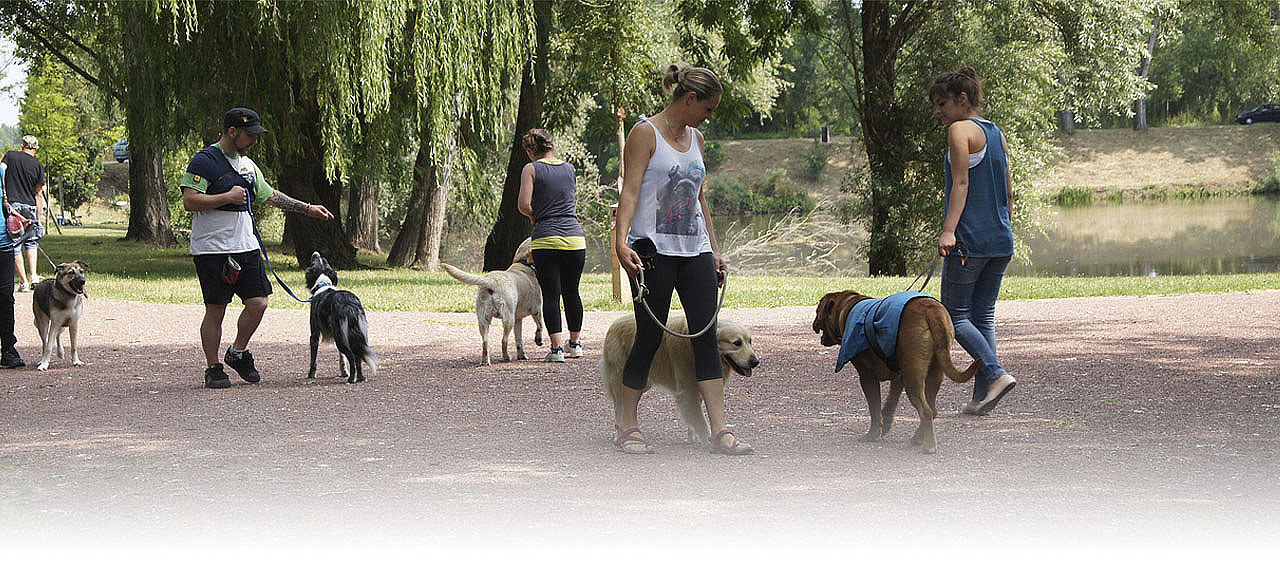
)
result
[(924, 355), (57, 304)]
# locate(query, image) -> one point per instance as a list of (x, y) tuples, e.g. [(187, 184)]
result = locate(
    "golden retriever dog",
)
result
[(672, 368), (924, 355), (510, 295), (57, 304)]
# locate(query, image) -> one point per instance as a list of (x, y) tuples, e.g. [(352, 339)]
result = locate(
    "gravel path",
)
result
[(1136, 421)]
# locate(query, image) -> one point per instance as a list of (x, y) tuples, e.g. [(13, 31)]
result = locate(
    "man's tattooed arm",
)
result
[(284, 202)]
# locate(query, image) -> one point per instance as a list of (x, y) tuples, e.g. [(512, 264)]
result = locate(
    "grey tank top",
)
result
[(553, 201)]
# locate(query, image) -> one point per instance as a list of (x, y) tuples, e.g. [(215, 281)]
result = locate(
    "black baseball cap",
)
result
[(243, 118)]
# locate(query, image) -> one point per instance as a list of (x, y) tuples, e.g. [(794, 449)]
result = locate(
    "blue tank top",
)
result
[(984, 229)]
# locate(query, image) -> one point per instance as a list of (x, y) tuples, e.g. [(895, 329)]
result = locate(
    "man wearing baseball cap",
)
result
[(220, 186)]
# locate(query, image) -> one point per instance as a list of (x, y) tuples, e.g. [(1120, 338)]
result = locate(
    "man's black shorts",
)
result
[(252, 282)]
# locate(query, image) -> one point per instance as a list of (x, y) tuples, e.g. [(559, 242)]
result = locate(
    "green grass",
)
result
[(123, 270)]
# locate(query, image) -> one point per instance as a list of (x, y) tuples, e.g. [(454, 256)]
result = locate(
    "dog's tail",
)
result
[(468, 278), (355, 340), (943, 333)]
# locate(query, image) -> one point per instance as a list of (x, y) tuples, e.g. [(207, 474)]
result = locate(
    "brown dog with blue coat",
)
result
[(923, 354)]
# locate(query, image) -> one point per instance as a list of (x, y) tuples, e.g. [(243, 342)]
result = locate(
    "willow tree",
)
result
[(461, 58), (127, 50)]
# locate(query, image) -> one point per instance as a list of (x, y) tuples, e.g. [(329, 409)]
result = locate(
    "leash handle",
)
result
[(933, 266), (263, 248), (642, 290)]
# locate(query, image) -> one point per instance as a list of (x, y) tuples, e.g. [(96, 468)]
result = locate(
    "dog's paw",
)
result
[(521, 357), (77, 362), (537, 340), (43, 366), (870, 437)]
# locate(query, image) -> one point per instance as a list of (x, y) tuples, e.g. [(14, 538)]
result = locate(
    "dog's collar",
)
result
[(322, 289), (525, 262)]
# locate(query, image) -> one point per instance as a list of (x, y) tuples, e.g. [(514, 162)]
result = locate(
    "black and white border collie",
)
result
[(337, 315)]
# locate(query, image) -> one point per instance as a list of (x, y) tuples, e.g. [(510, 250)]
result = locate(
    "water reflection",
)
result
[(1177, 237)]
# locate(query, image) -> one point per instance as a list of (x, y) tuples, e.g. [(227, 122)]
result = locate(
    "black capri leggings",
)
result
[(559, 272), (695, 279)]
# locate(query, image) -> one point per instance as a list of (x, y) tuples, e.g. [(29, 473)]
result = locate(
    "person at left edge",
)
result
[(220, 185)]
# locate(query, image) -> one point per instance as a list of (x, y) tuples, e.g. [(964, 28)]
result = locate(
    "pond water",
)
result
[(1167, 237)]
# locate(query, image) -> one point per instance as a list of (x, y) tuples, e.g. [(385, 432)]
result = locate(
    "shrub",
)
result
[(815, 161), (773, 194), (1070, 196), (714, 155)]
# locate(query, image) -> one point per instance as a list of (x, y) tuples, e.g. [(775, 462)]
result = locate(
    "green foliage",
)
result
[(1070, 196), (59, 110), (815, 161), (773, 194)]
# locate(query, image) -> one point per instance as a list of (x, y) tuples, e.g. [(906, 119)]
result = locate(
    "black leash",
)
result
[(263, 247), (927, 273)]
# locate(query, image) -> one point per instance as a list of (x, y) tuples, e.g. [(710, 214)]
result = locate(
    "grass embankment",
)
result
[(121, 270)]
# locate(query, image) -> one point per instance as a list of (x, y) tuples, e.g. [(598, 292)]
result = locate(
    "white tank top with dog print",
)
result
[(668, 211)]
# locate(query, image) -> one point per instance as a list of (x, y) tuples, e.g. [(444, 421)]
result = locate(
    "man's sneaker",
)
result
[(243, 365), (971, 408), (575, 349), (216, 377), (556, 355), (10, 359)]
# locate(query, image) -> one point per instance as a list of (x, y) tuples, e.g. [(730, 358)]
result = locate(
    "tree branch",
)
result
[(66, 60)]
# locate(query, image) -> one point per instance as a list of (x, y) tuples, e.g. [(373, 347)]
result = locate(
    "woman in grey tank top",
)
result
[(664, 224)]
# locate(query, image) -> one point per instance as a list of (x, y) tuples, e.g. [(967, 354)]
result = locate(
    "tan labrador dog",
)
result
[(925, 334), (672, 368), (510, 295), (57, 304)]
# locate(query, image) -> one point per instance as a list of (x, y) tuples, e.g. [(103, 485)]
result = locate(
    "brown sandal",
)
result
[(738, 448), (631, 436)]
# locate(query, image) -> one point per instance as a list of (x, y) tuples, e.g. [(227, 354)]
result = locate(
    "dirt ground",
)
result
[(1146, 423)]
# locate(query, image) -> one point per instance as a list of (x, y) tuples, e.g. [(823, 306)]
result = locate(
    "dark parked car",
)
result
[(120, 150), (1261, 113)]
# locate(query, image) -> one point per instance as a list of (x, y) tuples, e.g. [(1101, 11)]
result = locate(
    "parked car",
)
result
[(1263, 112), (120, 150)]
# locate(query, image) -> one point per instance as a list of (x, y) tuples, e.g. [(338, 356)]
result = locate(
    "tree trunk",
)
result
[(511, 226), (882, 118), (303, 177), (362, 212), (418, 243), (148, 204), (1067, 121), (1144, 71)]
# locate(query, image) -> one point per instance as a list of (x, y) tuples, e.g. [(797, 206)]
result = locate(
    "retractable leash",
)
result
[(642, 290), (263, 247)]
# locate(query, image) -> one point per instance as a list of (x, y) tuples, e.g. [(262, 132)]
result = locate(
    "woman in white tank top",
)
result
[(664, 225)]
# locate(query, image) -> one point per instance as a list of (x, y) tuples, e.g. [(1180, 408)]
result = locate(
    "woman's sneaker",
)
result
[(556, 355), (575, 349)]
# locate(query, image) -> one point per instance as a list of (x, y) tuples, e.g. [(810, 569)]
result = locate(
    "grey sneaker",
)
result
[(243, 365), (216, 377), (971, 408), (556, 355), (999, 388), (575, 349)]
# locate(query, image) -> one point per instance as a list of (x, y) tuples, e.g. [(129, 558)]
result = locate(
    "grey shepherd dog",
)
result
[(337, 315)]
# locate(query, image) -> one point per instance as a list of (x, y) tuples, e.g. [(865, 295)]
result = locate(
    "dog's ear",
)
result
[(824, 309), (83, 266)]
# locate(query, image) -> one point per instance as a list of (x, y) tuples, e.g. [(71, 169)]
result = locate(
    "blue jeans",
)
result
[(969, 293)]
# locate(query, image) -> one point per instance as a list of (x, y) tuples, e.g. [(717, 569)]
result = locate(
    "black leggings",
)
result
[(558, 274), (694, 278)]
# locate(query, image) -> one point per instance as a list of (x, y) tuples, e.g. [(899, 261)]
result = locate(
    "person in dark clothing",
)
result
[(24, 187), (8, 342), (559, 245)]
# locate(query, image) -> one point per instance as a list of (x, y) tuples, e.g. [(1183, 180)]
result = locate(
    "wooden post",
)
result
[(613, 213), (615, 266)]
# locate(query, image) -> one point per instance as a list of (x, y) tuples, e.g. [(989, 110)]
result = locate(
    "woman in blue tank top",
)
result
[(977, 238)]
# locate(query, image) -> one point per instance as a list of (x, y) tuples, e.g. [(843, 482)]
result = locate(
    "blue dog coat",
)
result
[(873, 325)]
